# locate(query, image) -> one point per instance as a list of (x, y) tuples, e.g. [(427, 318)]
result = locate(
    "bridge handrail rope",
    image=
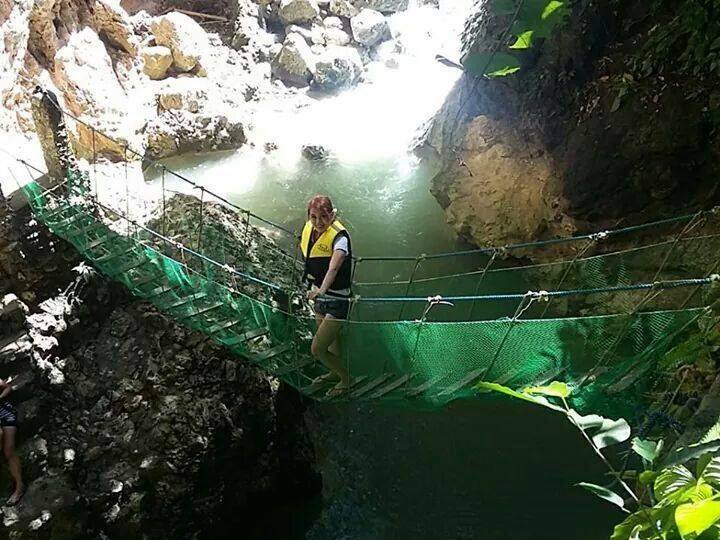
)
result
[(658, 285), (595, 236)]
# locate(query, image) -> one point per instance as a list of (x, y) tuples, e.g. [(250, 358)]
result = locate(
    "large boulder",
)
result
[(343, 8), (85, 75), (189, 94), (339, 67), (298, 11), (370, 27), (385, 6), (180, 131), (183, 36), (295, 64), (156, 61), (114, 23)]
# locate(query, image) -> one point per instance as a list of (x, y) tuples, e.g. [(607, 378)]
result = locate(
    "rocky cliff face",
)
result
[(597, 128), (132, 425)]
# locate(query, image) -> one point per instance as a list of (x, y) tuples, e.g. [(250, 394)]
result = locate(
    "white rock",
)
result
[(183, 36), (343, 8), (156, 61), (188, 94), (335, 36), (84, 73), (295, 64), (115, 24), (385, 6), (333, 22), (69, 455), (370, 27), (338, 67), (298, 11)]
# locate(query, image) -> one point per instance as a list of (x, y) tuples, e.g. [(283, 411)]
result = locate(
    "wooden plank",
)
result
[(187, 300), (110, 256), (247, 336), (132, 266), (469, 378), (371, 385), (222, 326), (345, 395), (201, 311), (413, 392), (270, 353), (392, 386)]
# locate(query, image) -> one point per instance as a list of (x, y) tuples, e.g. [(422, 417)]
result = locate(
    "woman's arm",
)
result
[(338, 257), (6, 388)]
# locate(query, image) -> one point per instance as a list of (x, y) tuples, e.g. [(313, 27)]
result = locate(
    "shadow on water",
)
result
[(486, 468)]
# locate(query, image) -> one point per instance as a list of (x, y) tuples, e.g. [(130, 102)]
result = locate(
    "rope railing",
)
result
[(594, 236)]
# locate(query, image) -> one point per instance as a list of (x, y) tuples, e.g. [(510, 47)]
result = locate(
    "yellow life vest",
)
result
[(317, 255)]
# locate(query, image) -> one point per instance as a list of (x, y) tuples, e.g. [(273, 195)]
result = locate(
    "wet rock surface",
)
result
[(132, 425)]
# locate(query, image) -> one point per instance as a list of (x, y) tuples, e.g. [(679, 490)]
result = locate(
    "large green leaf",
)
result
[(686, 453), (604, 493), (487, 64), (711, 473), (590, 421), (695, 518), (524, 40), (648, 450), (495, 387), (612, 432), (554, 389), (672, 480)]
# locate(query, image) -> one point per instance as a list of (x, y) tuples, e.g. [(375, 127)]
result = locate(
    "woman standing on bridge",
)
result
[(325, 245)]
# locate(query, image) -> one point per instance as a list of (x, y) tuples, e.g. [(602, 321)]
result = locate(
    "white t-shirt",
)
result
[(342, 244)]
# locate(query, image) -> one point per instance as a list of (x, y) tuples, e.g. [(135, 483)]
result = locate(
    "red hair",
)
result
[(321, 204)]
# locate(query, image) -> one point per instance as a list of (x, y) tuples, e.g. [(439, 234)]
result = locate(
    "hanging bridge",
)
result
[(598, 319)]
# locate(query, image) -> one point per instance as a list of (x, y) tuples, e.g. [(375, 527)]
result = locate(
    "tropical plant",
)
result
[(668, 502)]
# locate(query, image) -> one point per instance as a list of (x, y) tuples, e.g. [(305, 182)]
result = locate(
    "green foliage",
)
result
[(528, 22), (689, 42)]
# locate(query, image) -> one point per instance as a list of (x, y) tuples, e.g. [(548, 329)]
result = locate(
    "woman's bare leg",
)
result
[(326, 336), (8, 444)]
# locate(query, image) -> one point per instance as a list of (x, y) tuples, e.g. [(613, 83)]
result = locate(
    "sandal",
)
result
[(327, 378), (337, 390)]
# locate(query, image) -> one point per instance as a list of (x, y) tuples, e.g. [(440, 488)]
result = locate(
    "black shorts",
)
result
[(8, 415), (335, 307)]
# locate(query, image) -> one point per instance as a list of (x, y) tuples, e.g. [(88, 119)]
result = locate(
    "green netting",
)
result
[(427, 362)]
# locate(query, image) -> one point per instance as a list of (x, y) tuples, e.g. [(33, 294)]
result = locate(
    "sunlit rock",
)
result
[(189, 94), (385, 6), (295, 64), (85, 75), (314, 152), (179, 131), (339, 67), (247, 24), (343, 8), (115, 24), (335, 36), (298, 11), (183, 36), (333, 22), (370, 27), (156, 61)]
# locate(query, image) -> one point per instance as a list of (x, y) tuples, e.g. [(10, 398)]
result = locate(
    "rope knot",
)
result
[(715, 210), (179, 246), (229, 269), (599, 236), (714, 278), (502, 251)]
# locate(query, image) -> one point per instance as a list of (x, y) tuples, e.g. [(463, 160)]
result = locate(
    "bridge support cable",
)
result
[(530, 297), (418, 261), (481, 279)]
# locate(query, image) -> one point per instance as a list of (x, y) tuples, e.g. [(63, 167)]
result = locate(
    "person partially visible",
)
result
[(9, 426), (326, 248)]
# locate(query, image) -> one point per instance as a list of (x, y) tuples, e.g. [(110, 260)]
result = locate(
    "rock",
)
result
[(298, 11), (295, 64), (247, 24), (180, 131), (384, 6), (335, 36), (313, 36), (114, 23), (343, 8), (370, 27), (85, 74), (333, 22), (183, 36), (314, 152), (156, 60), (188, 94), (339, 67)]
